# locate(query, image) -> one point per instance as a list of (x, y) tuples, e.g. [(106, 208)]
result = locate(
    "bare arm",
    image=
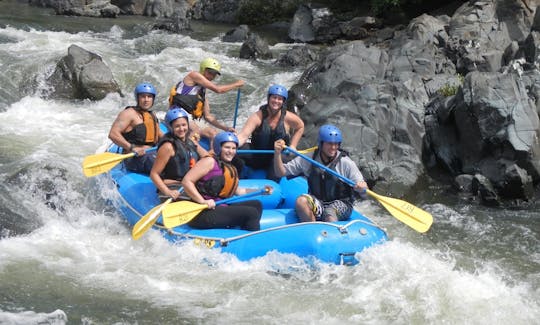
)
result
[(279, 168), (121, 124), (252, 123), (297, 124), (197, 78), (165, 152), (210, 118)]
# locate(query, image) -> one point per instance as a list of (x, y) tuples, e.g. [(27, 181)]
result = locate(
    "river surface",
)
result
[(66, 256)]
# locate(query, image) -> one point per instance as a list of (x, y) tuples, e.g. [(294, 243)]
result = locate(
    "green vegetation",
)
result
[(261, 12), (450, 89)]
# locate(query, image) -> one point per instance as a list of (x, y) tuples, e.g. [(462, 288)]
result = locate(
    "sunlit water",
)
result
[(66, 256)]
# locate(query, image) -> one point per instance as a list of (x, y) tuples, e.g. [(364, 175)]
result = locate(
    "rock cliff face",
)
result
[(455, 93)]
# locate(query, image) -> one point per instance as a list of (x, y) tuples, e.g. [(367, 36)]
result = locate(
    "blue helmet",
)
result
[(221, 137), (174, 113), (278, 90), (329, 133), (144, 88)]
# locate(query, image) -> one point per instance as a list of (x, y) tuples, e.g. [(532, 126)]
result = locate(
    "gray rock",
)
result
[(82, 74), (255, 48), (238, 34)]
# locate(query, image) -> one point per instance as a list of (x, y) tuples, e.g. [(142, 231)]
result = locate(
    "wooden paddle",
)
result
[(182, 212), (103, 162), (405, 212), (148, 220), (256, 151)]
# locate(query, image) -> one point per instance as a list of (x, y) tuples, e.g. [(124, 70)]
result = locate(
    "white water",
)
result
[(74, 261)]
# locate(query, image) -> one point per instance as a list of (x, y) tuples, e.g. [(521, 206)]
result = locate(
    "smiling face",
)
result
[(180, 128), (275, 102), (329, 150), (228, 151), (145, 100)]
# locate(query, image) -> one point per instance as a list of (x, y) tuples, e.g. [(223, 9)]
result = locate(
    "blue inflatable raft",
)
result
[(336, 242)]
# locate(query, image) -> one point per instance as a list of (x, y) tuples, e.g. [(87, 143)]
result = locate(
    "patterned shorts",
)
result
[(329, 211)]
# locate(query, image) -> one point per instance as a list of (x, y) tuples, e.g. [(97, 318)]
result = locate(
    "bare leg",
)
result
[(210, 133), (303, 210)]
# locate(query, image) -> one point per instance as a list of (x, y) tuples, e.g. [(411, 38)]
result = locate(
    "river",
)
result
[(66, 256)]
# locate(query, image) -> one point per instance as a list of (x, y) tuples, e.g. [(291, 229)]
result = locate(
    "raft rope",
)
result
[(226, 241)]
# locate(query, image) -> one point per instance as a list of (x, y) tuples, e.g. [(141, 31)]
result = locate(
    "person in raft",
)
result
[(270, 123), (215, 178), (190, 93), (328, 199), (176, 154), (136, 128)]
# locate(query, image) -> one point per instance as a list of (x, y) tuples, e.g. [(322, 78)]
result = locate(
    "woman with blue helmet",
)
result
[(270, 123), (329, 199), (136, 128), (176, 154), (215, 178)]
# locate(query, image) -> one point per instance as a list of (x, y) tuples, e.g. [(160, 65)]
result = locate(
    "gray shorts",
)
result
[(332, 210)]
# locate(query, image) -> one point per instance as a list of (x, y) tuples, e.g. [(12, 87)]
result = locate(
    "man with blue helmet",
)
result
[(136, 128), (270, 123), (329, 199)]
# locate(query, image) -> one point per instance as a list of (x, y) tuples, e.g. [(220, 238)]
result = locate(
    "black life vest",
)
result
[(263, 136), (185, 156), (145, 133), (221, 182), (325, 186)]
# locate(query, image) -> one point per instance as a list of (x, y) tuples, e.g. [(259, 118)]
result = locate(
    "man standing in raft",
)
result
[(136, 128), (190, 94)]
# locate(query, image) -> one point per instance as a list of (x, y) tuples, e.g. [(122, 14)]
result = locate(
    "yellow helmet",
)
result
[(210, 63)]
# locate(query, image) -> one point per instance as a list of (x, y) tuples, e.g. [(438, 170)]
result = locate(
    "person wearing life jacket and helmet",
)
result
[(136, 128), (329, 198), (190, 94), (216, 178), (176, 154), (270, 123)]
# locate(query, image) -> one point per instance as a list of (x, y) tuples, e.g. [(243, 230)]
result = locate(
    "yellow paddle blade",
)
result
[(405, 212), (102, 162), (308, 150), (179, 213), (148, 220)]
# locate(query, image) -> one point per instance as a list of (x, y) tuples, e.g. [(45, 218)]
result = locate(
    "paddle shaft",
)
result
[(318, 164), (266, 151), (236, 108), (407, 213), (234, 198)]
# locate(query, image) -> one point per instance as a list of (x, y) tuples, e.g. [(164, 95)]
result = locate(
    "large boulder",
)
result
[(82, 75), (489, 128)]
